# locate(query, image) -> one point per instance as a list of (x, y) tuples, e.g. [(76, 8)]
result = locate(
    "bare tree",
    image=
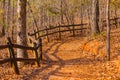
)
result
[(7, 2), (21, 29), (95, 16), (3, 27), (13, 21), (108, 29)]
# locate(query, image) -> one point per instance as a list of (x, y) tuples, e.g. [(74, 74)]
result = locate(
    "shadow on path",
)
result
[(60, 63)]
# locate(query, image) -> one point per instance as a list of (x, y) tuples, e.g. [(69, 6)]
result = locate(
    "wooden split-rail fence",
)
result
[(57, 30), (66, 28), (13, 60)]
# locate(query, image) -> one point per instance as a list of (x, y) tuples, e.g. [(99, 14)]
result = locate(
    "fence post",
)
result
[(35, 35), (47, 34), (59, 32), (118, 23), (14, 62), (73, 31), (10, 55), (29, 40), (40, 41), (115, 22), (36, 55)]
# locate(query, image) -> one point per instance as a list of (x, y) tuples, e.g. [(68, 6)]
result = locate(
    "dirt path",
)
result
[(66, 61)]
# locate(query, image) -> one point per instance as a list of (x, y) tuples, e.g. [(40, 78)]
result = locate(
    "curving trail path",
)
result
[(67, 61)]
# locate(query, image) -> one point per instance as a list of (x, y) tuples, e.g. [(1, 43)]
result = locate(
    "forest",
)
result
[(59, 40)]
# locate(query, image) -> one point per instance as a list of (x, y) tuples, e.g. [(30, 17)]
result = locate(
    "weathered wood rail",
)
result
[(57, 30), (70, 28), (13, 60), (60, 26), (113, 21)]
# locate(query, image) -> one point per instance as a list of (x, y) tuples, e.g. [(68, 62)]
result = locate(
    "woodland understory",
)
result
[(68, 39)]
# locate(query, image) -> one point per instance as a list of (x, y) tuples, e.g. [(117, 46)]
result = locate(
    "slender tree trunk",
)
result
[(101, 17), (35, 22), (95, 15), (81, 15), (115, 17), (3, 27), (61, 17), (21, 29), (7, 17), (108, 29), (13, 19)]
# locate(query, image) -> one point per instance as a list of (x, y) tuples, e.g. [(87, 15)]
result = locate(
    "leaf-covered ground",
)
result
[(73, 59)]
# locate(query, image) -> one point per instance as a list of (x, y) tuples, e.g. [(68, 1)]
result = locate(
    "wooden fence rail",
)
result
[(57, 30), (65, 26), (13, 60), (3, 46), (2, 61), (72, 28), (112, 19)]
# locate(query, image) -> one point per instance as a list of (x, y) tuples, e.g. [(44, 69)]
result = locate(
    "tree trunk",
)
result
[(3, 27), (61, 17), (21, 29), (95, 16), (81, 15), (13, 21), (115, 17), (108, 29), (7, 17)]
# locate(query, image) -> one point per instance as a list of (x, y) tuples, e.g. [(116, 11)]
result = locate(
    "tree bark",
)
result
[(81, 15), (13, 21), (95, 16), (108, 29), (3, 27), (7, 17), (21, 29), (61, 17)]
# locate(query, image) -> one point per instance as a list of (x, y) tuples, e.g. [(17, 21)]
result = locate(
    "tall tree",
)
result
[(61, 6), (95, 16), (3, 27), (13, 21), (8, 16), (21, 29), (108, 29)]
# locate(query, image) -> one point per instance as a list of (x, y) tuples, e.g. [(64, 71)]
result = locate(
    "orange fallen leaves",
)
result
[(94, 47)]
